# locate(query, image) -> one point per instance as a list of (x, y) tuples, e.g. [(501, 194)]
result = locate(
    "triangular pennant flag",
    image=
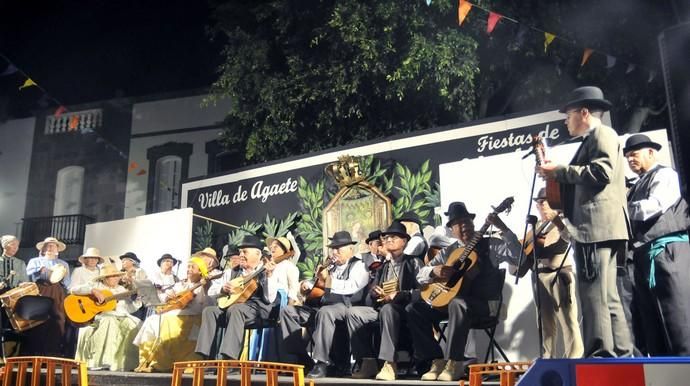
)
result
[(133, 166), (492, 21), (59, 111), (631, 68), (548, 38), (141, 172), (652, 75), (73, 123), (11, 69), (28, 83), (585, 56), (463, 9), (610, 61)]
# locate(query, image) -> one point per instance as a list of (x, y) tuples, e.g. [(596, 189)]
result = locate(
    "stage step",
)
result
[(659, 371)]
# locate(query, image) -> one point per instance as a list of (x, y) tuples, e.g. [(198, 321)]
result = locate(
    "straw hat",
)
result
[(61, 246), (92, 252), (283, 241), (109, 270)]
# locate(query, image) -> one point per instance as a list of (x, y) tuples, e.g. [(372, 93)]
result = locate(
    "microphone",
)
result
[(528, 154)]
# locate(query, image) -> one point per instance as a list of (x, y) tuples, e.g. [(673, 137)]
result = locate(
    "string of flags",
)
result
[(46, 99), (493, 18)]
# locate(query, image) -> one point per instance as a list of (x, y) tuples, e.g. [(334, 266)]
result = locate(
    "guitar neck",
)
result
[(122, 295)]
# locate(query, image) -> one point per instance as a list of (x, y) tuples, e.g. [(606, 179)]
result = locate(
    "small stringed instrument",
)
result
[(183, 298), (439, 294), (528, 246), (312, 297), (83, 308), (245, 286), (553, 188)]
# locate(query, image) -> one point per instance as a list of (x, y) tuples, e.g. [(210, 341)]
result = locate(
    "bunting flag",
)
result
[(548, 39), (141, 172), (73, 123), (610, 61), (464, 8), (491, 22), (59, 111), (11, 69), (133, 166), (631, 68), (585, 56), (28, 83)]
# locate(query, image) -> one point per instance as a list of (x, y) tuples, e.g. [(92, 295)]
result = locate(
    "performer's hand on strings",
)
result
[(547, 170), (443, 272)]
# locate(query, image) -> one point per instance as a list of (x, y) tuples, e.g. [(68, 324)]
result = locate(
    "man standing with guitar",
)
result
[(482, 284), (255, 310), (594, 205)]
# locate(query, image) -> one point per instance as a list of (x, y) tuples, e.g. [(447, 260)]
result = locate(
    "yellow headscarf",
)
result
[(199, 262)]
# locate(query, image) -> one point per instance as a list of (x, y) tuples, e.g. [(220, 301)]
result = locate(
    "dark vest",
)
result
[(355, 299), (488, 282), (407, 279), (673, 220)]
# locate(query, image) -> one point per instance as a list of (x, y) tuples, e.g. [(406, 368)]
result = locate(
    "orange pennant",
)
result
[(73, 123), (463, 9), (548, 38), (141, 172), (585, 56), (133, 166), (491, 22)]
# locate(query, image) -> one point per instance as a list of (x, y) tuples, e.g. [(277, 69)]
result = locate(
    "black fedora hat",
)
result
[(375, 235), (232, 250), (639, 141), (130, 255), (341, 238), (410, 216), (167, 256), (587, 96), (457, 210), (251, 241), (397, 229)]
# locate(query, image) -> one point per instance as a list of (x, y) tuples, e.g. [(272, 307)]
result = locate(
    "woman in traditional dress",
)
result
[(52, 277), (88, 271), (106, 344), (12, 269), (171, 336)]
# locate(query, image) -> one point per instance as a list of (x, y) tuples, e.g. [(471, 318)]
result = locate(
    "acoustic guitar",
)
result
[(439, 294), (553, 188), (528, 246), (83, 308), (183, 298), (312, 297), (243, 287)]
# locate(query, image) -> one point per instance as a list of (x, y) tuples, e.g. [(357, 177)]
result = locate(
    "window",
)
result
[(68, 191), (166, 189)]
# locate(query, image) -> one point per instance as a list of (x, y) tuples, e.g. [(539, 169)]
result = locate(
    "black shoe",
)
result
[(319, 371)]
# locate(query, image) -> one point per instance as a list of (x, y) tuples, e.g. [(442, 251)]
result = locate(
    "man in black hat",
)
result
[(345, 278), (257, 311), (373, 258), (165, 278), (482, 285), (394, 286), (661, 252), (231, 257), (593, 197)]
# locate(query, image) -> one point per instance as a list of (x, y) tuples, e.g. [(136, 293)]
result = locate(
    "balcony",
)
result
[(84, 121), (69, 229)]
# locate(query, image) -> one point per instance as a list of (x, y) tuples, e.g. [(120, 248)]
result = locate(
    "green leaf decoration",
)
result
[(203, 236)]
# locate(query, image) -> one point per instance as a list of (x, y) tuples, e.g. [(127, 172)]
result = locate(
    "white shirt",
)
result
[(359, 278), (286, 276), (664, 191), (82, 275)]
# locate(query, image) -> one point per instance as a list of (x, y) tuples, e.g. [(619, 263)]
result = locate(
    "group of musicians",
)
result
[(376, 300)]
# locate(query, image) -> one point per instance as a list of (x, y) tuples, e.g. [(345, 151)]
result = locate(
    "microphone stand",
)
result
[(529, 213), (532, 221)]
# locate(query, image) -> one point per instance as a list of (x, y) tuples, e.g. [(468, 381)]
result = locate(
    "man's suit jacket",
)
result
[(593, 189)]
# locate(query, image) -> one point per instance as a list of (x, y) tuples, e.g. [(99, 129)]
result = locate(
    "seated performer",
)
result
[(106, 344), (130, 266), (12, 269), (556, 285), (170, 335), (393, 289), (52, 277), (165, 278), (479, 284), (374, 255), (231, 257), (89, 268), (345, 279), (281, 254), (258, 309)]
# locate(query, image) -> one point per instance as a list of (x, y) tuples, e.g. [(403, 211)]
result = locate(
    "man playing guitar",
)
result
[(472, 301)]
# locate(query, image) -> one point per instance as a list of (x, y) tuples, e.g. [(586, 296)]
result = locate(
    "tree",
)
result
[(309, 75)]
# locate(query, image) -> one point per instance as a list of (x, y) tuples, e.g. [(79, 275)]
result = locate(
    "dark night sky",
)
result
[(83, 51)]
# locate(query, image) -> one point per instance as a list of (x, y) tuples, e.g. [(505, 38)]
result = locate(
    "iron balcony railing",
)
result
[(69, 229)]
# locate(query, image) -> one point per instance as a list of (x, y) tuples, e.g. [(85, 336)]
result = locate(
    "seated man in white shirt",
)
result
[(344, 280)]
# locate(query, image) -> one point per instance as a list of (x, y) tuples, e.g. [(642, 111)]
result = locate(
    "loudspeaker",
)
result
[(674, 47)]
